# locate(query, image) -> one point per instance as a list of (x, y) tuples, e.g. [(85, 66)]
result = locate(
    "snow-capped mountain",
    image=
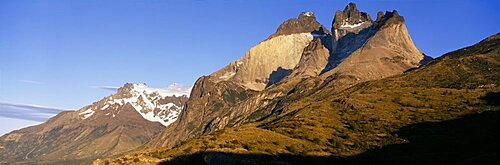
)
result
[(153, 104), (116, 124)]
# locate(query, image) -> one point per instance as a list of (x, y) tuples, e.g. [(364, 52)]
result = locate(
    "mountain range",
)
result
[(358, 92), (444, 112)]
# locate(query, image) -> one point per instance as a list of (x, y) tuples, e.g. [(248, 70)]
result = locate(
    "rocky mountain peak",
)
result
[(380, 14), (350, 17), (349, 21), (307, 15), (128, 87), (276, 55), (351, 8), (305, 23), (389, 18)]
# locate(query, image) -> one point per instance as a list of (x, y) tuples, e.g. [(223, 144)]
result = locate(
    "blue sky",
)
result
[(55, 53)]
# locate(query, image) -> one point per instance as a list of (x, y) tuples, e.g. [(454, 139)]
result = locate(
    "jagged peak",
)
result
[(350, 17), (380, 14), (127, 87), (305, 23), (351, 7), (390, 17)]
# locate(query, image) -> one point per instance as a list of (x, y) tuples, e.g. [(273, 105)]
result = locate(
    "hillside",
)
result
[(418, 117)]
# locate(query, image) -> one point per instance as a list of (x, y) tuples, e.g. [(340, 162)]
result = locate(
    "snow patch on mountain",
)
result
[(308, 14), (347, 25), (87, 113)]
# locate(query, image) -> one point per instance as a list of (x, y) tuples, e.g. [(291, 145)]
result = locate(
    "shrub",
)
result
[(156, 155), (234, 142), (292, 149), (396, 100), (248, 147), (188, 150), (317, 140), (227, 145)]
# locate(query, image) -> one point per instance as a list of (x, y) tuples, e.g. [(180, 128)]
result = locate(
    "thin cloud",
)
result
[(173, 89), (177, 89), (28, 111), (30, 82), (111, 88)]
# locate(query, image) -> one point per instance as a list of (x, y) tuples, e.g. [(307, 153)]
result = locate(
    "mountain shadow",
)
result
[(492, 98), (471, 139), (277, 75), (324, 36), (345, 46), (426, 59), (221, 158)]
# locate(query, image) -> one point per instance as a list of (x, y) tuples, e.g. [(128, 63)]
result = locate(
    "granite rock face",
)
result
[(271, 59), (254, 70)]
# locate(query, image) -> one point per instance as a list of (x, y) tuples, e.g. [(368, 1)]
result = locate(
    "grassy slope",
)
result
[(367, 118)]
